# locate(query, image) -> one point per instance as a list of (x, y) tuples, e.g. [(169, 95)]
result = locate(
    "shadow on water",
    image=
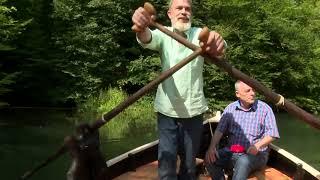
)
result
[(28, 137)]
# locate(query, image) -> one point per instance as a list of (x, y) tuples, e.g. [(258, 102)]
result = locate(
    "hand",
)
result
[(214, 45), (211, 155), (141, 19), (253, 150)]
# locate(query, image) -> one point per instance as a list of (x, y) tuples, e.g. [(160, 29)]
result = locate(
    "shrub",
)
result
[(139, 118)]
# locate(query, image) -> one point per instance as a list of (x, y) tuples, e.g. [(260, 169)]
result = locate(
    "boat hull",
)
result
[(142, 162)]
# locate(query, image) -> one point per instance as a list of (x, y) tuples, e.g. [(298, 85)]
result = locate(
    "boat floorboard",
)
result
[(150, 172)]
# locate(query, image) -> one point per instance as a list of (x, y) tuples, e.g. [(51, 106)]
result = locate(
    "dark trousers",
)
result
[(178, 136), (242, 164)]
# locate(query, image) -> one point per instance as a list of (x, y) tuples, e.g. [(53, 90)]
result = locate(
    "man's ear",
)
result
[(169, 13), (237, 94)]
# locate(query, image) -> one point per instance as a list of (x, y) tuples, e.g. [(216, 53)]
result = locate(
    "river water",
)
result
[(26, 139)]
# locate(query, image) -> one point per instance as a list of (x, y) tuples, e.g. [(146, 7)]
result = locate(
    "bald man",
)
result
[(250, 126)]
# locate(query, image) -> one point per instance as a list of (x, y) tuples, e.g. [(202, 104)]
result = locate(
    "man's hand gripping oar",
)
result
[(69, 140), (220, 62), (223, 64)]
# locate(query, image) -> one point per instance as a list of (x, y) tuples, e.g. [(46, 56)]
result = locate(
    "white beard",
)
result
[(182, 27)]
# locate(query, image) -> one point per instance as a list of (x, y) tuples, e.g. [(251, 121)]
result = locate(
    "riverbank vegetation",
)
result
[(138, 119), (82, 54), (62, 52)]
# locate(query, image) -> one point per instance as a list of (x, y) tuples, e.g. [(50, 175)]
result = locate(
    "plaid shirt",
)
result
[(246, 127)]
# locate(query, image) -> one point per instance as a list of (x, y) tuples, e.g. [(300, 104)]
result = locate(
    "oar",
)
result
[(203, 36), (220, 62), (223, 64), (59, 152)]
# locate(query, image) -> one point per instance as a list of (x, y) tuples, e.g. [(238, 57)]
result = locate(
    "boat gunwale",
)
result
[(307, 167), (131, 152), (295, 160)]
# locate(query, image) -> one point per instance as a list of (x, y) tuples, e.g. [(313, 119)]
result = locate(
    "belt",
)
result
[(237, 148)]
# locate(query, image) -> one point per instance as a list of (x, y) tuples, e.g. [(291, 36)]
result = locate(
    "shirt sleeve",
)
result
[(223, 123), (271, 128), (156, 40)]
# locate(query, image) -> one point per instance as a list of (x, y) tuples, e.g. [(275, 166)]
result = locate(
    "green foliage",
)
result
[(90, 33), (98, 43), (140, 114), (275, 42), (34, 57), (74, 48), (308, 103), (142, 71), (8, 26), (5, 80), (9, 29)]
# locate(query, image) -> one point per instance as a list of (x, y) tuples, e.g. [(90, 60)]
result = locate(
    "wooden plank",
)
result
[(269, 173), (146, 172), (150, 172)]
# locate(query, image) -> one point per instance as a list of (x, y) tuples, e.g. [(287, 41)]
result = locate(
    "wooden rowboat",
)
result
[(141, 163)]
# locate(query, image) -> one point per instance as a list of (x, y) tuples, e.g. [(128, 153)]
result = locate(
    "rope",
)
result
[(102, 118), (211, 132), (281, 101)]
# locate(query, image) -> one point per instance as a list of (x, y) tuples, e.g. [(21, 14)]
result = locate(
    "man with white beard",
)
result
[(180, 102)]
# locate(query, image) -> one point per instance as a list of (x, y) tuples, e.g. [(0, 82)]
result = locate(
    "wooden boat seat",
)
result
[(146, 172), (268, 173), (150, 172)]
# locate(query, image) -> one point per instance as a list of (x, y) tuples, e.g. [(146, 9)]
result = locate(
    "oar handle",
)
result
[(130, 100), (203, 36), (223, 64), (150, 10)]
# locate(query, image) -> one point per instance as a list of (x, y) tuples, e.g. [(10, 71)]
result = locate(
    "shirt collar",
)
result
[(185, 34), (252, 108)]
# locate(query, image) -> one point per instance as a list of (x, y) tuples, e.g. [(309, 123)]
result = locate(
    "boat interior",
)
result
[(141, 163)]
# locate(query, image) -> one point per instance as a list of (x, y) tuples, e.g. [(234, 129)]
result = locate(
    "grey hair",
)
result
[(236, 85), (170, 3)]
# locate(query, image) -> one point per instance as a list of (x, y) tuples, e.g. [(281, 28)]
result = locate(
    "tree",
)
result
[(89, 34), (274, 42), (9, 30)]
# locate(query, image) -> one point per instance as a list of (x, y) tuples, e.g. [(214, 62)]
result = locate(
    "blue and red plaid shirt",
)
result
[(246, 127)]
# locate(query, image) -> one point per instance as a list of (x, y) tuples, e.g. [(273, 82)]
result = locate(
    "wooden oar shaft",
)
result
[(115, 111), (237, 74), (270, 95), (130, 100), (58, 153), (221, 63), (175, 36), (147, 88)]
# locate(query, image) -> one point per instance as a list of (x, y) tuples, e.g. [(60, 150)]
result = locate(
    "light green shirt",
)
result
[(181, 95)]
